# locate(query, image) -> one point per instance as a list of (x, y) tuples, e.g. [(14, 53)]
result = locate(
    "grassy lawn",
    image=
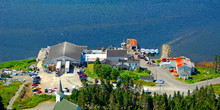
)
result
[(134, 74), (30, 102), (21, 64), (25, 100), (144, 83), (202, 75), (89, 71), (7, 92)]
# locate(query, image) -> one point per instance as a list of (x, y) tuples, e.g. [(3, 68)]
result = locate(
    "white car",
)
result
[(159, 81), (50, 90)]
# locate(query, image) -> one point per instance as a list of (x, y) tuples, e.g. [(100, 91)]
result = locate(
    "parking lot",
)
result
[(51, 81)]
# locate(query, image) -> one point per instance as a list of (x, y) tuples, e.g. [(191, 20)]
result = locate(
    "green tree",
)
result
[(158, 61), (82, 99), (105, 71), (97, 61), (218, 103), (216, 63), (1, 104), (97, 66), (112, 101), (114, 73)]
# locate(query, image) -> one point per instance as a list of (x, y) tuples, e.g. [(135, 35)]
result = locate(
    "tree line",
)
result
[(129, 97)]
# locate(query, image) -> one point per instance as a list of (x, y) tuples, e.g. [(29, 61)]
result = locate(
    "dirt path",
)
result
[(9, 107)]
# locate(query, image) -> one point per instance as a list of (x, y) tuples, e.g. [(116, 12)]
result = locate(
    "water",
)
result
[(28, 25)]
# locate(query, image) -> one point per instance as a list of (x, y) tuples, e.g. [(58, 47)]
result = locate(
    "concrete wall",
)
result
[(63, 59), (186, 68), (92, 57)]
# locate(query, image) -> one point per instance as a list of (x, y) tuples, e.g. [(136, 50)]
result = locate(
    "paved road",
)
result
[(170, 83)]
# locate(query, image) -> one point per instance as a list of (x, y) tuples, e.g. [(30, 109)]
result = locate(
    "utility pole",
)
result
[(156, 74), (207, 77)]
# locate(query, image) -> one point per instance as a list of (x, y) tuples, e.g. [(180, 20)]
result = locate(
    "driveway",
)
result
[(170, 83)]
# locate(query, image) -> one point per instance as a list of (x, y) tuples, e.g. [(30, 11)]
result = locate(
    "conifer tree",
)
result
[(112, 101), (215, 63), (97, 66), (1, 104)]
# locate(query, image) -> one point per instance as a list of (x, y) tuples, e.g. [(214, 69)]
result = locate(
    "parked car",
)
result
[(38, 77), (36, 81), (46, 91), (39, 91), (145, 59), (34, 90), (153, 61), (73, 88), (101, 80), (55, 89), (34, 84), (159, 81), (66, 90), (164, 60), (96, 81), (50, 90)]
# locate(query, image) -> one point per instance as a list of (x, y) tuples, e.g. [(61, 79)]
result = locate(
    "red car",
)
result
[(101, 80), (34, 84), (164, 60), (39, 91)]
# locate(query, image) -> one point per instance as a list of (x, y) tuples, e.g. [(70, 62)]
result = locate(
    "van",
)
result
[(73, 88)]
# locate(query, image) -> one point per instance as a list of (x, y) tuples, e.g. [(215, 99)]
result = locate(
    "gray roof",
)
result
[(66, 49), (117, 53), (129, 60), (106, 61), (66, 105)]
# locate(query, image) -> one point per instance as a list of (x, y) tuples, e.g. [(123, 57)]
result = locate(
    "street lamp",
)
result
[(207, 77)]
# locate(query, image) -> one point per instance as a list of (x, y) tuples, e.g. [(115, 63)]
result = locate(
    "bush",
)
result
[(158, 61)]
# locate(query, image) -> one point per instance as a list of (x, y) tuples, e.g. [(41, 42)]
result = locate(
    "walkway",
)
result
[(9, 107)]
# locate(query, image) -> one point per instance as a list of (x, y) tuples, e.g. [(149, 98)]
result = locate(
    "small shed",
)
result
[(147, 78)]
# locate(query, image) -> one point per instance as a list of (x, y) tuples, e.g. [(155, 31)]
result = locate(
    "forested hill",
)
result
[(104, 97)]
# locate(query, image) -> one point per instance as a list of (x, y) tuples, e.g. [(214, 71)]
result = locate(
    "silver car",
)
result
[(160, 81)]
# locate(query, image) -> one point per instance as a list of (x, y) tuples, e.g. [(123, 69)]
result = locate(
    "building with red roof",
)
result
[(184, 67), (133, 44)]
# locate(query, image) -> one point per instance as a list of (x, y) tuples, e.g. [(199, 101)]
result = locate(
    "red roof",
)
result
[(179, 62), (172, 59), (133, 42)]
